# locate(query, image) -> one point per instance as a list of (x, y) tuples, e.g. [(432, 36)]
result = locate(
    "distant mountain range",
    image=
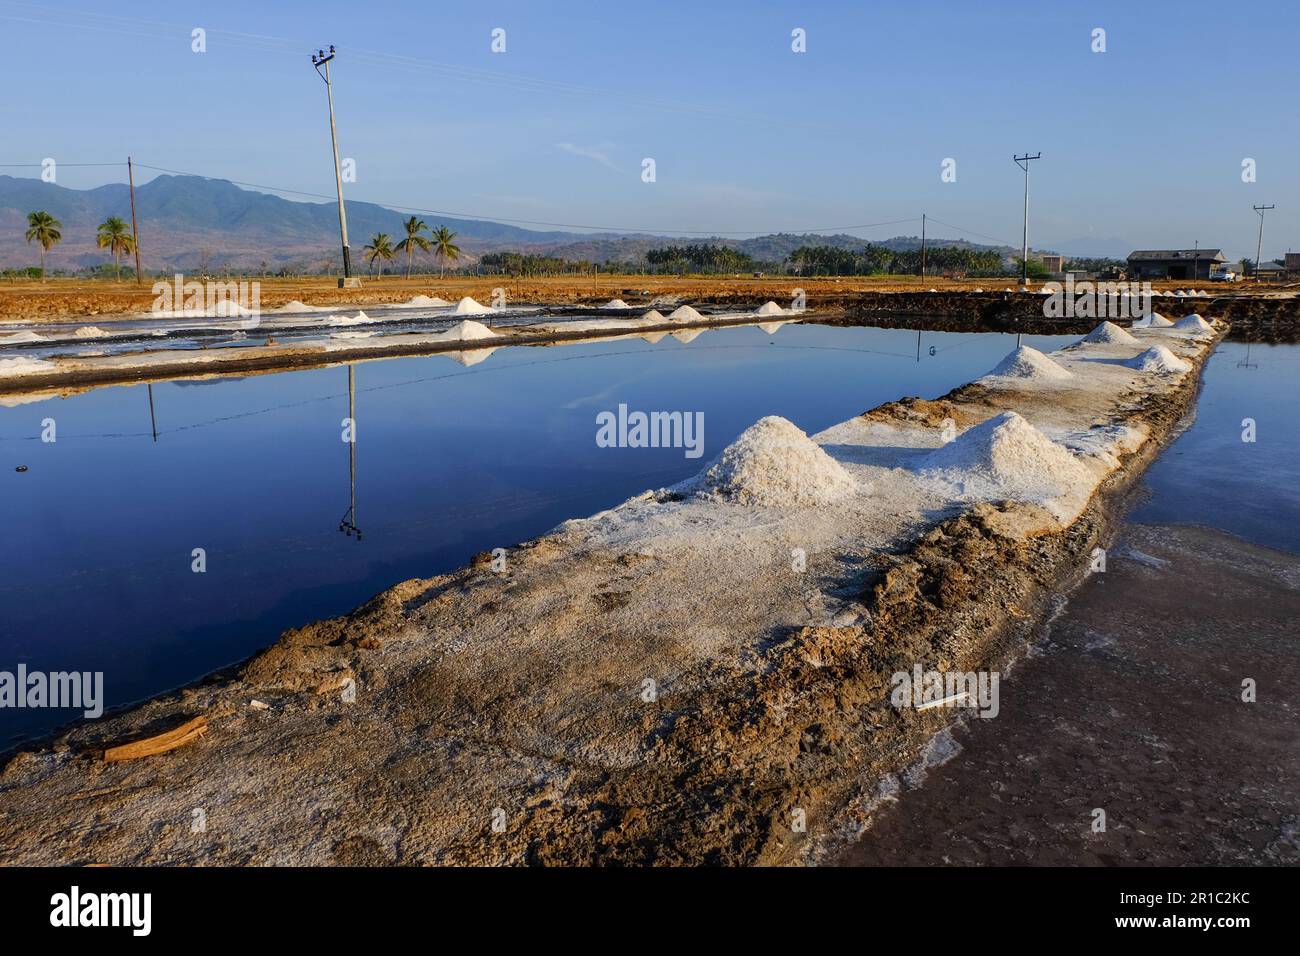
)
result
[(188, 223)]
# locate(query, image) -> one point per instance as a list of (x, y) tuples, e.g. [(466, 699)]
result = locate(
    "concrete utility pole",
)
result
[(135, 229), (1023, 162), (1260, 245), (922, 263), (318, 59)]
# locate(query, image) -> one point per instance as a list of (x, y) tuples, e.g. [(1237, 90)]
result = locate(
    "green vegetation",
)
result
[(415, 239), (380, 247), (443, 246), (700, 258), (114, 236), (45, 229)]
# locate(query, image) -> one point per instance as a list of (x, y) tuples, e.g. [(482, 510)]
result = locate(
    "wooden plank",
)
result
[(186, 733)]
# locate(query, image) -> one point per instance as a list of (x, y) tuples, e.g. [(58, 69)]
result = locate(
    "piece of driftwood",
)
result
[(187, 732)]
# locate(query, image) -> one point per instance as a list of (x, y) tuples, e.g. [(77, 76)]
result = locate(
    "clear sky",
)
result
[(1143, 143)]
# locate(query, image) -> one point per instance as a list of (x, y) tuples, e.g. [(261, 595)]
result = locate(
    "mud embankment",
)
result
[(1252, 317)]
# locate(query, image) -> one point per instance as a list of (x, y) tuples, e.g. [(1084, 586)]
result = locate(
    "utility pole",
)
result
[(1023, 162), (135, 229), (1260, 245), (321, 58), (922, 266)]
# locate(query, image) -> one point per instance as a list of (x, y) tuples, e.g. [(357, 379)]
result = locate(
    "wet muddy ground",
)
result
[(1131, 703)]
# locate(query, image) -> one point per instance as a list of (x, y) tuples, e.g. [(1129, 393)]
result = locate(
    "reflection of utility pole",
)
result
[(1260, 245), (153, 422), (319, 59), (348, 524), (1023, 162)]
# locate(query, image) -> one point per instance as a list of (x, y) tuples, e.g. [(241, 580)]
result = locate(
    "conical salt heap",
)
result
[(1108, 333), (773, 464), (1030, 364), (1006, 457)]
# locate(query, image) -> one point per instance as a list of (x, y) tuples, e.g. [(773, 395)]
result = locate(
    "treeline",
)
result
[(700, 258), (881, 260)]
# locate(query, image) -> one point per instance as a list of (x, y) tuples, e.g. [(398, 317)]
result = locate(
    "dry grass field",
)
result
[(58, 299)]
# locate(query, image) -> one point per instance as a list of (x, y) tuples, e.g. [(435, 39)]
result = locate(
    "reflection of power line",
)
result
[(348, 524)]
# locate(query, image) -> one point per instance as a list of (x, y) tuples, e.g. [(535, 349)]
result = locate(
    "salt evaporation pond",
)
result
[(451, 460)]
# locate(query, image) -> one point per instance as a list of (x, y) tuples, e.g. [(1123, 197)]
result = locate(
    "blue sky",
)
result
[(1142, 143)]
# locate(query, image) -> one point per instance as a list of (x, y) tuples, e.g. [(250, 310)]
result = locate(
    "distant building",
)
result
[(1270, 270), (1293, 263), (1174, 263), (1053, 263)]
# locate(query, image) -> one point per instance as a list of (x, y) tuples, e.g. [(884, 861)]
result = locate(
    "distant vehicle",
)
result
[(1223, 275)]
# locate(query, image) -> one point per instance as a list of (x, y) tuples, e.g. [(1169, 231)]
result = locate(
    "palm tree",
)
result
[(444, 248), (415, 239), (45, 229), (117, 239), (381, 248)]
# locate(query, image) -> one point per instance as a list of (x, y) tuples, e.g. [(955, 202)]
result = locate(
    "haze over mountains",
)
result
[(190, 223)]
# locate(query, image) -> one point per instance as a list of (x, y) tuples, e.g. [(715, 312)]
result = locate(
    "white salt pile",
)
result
[(1030, 364), (25, 366), (684, 313), (1153, 321), (616, 304), (20, 337), (425, 302), (469, 330), (773, 464), (653, 317), (1006, 457), (89, 332), (359, 319), (979, 290), (295, 307), (934, 290), (467, 306), (1160, 360), (1109, 333), (769, 308), (1193, 323)]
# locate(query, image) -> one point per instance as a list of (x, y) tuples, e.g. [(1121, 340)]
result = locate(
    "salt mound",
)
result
[(1153, 321), (1193, 323), (24, 366), (20, 337), (1031, 364), (1110, 334), (773, 464), (1007, 457), (769, 308), (1158, 359), (359, 319), (469, 330), (684, 313), (654, 316), (295, 307), (467, 306), (427, 302), (934, 290), (616, 304), (89, 332)]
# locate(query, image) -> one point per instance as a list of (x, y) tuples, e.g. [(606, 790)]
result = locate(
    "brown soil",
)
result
[(1131, 703), (62, 299)]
